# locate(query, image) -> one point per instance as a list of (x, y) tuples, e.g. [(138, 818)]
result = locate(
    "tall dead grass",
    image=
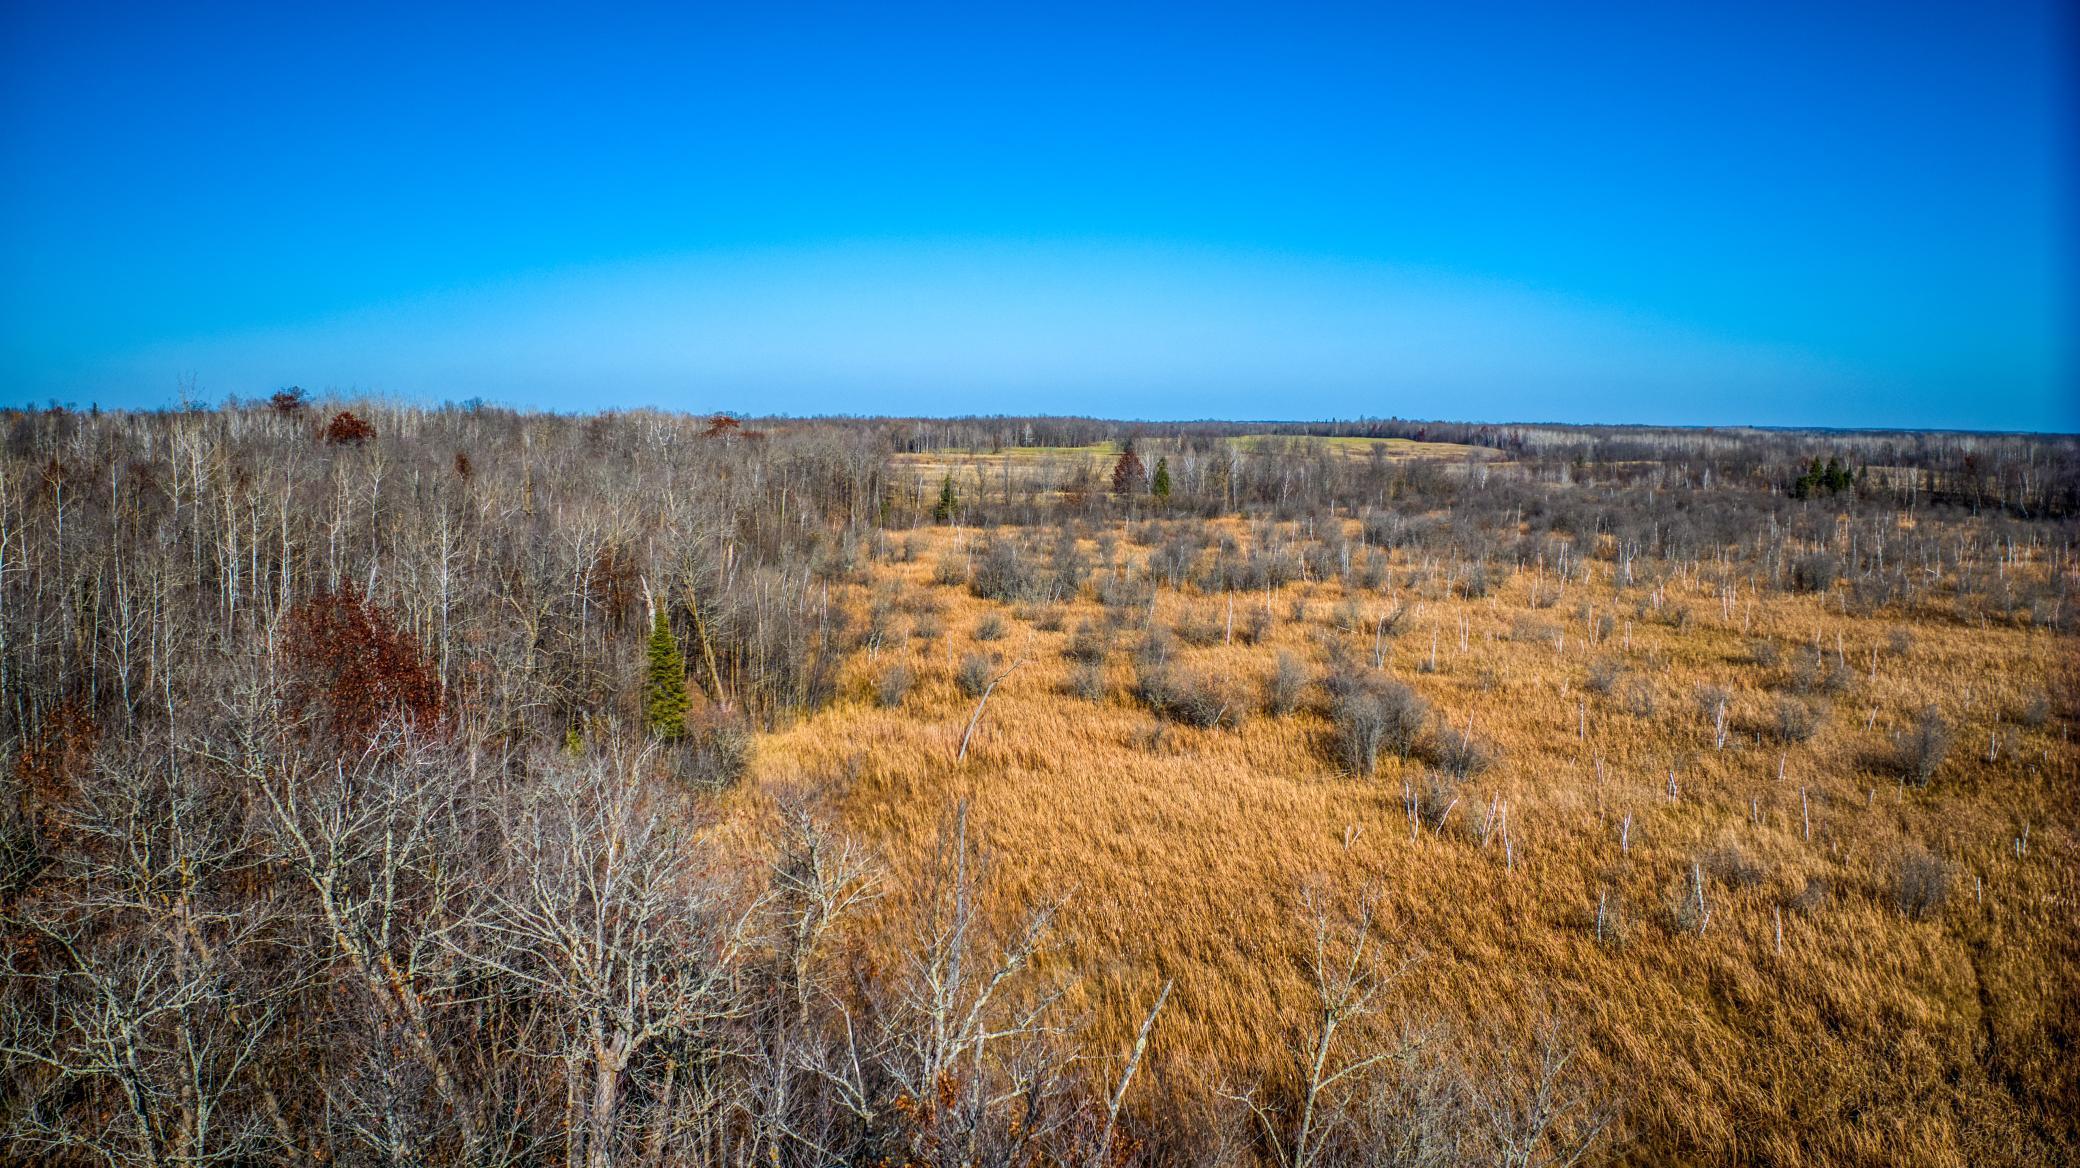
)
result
[(1712, 903)]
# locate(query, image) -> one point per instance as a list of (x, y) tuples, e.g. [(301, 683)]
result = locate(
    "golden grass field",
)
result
[(1350, 446), (1027, 465), (1862, 1036)]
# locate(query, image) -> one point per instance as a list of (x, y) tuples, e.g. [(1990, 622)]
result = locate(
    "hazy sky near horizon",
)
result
[(1784, 214)]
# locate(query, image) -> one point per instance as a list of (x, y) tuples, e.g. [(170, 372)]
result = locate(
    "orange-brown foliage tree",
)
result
[(357, 670), (50, 764), (348, 429), (1127, 475)]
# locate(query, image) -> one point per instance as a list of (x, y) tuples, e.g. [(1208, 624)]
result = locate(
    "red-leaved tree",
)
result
[(348, 428), (50, 764), (354, 670), (1127, 475)]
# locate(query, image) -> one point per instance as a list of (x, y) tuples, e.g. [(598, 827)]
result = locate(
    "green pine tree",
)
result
[(1810, 482), (1160, 486), (664, 694), (949, 503)]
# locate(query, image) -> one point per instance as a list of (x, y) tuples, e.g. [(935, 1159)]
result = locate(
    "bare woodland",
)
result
[(359, 811)]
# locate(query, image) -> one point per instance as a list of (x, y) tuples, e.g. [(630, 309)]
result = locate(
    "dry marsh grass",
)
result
[(1714, 904)]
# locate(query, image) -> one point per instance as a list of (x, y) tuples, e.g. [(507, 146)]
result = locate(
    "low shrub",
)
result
[(1816, 572), (973, 675), (1457, 752), (1286, 686), (1087, 645), (1178, 696), (1920, 750), (1002, 574), (894, 685), (1920, 885), (716, 755), (1795, 722), (1087, 682), (1370, 718)]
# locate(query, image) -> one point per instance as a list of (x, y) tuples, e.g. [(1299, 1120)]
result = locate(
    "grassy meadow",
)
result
[(983, 469), (1816, 1010)]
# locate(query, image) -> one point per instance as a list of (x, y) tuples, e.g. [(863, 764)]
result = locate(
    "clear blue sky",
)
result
[(1809, 213)]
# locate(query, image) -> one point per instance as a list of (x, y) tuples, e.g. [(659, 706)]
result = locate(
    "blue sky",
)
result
[(1831, 214)]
